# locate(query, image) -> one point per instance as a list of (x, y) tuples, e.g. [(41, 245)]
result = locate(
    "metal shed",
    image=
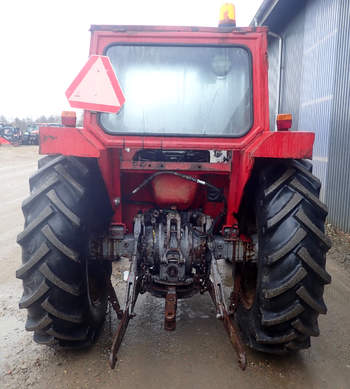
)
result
[(315, 86)]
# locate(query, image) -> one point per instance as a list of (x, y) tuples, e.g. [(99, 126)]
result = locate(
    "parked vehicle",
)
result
[(11, 134), (186, 174), (2, 139), (31, 135)]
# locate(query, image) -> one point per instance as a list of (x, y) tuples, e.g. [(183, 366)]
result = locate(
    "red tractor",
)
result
[(187, 173)]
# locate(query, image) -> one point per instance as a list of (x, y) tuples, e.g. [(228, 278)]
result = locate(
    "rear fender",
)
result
[(77, 142), (82, 143), (295, 145)]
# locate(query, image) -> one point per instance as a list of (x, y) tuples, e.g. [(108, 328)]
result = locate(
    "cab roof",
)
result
[(139, 28)]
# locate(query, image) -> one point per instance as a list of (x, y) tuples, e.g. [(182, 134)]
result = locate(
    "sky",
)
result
[(45, 43)]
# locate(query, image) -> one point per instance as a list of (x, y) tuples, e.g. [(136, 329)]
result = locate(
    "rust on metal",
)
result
[(235, 294), (114, 300), (235, 339), (188, 166), (216, 290), (170, 309), (118, 337), (132, 292)]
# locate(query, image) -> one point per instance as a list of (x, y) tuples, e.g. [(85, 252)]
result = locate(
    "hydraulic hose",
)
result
[(184, 176), (195, 180)]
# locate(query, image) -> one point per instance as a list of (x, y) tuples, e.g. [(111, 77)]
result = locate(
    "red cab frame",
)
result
[(114, 152)]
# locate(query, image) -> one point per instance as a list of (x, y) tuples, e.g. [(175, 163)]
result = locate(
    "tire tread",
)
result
[(60, 211), (291, 261)]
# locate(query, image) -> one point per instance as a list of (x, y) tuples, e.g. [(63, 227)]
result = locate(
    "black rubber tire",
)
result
[(290, 274), (68, 202)]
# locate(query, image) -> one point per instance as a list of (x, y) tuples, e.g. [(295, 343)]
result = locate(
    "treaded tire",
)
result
[(68, 202), (291, 261)]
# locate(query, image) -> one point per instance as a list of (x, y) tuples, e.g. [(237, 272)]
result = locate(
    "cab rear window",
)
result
[(182, 90)]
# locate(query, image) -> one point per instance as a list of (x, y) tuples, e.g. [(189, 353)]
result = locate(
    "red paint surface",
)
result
[(170, 190), (284, 125), (69, 141), (69, 118), (114, 152), (4, 141)]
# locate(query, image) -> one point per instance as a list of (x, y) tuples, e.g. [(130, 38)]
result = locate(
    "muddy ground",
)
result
[(197, 355)]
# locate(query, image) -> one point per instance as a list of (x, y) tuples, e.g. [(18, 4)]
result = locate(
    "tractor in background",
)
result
[(31, 135)]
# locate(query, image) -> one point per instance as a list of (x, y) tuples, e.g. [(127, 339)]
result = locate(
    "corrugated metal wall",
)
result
[(310, 40), (338, 176), (273, 79), (291, 64), (316, 89), (316, 96)]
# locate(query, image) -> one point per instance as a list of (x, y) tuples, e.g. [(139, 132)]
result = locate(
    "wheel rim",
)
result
[(96, 278), (246, 276)]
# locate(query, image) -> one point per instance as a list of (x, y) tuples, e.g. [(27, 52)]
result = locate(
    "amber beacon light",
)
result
[(227, 15)]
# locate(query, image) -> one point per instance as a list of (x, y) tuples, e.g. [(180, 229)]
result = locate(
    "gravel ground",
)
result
[(340, 251), (197, 355)]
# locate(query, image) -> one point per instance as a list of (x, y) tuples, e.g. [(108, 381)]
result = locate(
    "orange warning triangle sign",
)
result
[(96, 87)]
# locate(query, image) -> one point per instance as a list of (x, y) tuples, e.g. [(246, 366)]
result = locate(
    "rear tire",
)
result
[(68, 202), (281, 310)]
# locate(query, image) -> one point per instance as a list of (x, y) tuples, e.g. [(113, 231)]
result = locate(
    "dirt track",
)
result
[(197, 355)]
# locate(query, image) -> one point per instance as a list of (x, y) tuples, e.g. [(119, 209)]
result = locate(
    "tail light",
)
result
[(284, 121), (69, 118)]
